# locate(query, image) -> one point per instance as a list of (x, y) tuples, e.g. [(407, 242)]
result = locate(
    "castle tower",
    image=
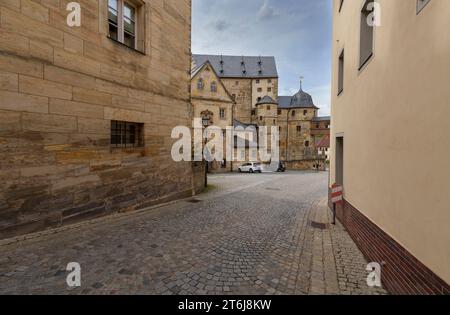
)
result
[(267, 116), (267, 112)]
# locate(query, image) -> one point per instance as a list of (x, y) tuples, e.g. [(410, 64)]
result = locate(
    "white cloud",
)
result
[(267, 12)]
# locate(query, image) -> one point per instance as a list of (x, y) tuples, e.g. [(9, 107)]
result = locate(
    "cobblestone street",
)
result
[(252, 234)]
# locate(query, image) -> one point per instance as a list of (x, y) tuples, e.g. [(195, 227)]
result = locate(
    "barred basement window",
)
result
[(126, 134), (126, 22)]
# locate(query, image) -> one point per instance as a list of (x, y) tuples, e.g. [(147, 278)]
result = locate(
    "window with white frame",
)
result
[(125, 22), (222, 113)]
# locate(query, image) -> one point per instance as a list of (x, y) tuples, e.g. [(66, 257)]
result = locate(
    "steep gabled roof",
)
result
[(239, 66), (266, 100), (199, 68)]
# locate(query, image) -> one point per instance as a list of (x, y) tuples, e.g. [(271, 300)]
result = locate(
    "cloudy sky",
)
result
[(296, 32)]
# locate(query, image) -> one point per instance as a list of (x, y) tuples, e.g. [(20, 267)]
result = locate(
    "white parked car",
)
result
[(250, 168)]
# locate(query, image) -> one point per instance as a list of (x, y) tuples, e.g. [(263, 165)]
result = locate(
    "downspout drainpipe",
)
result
[(233, 108)]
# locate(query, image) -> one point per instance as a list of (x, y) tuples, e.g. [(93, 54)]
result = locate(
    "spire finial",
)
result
[(301, 83)]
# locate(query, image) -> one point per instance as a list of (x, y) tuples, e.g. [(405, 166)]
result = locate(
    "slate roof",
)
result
[(266, 100), (324, 118), (239, 66), (237, 123), (299, 100)]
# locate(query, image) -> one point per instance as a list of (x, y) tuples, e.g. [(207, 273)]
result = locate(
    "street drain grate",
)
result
[(319, 226), (194, 201)]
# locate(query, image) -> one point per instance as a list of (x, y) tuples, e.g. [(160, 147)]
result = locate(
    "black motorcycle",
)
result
[(281, 168)]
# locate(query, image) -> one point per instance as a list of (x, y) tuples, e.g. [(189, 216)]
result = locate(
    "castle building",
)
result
[(250, 84)]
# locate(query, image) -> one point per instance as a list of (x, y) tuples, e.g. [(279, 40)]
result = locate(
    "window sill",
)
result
[(129, 150), (128, 47)]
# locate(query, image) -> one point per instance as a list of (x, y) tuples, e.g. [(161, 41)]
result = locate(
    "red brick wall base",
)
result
[(402, 273)]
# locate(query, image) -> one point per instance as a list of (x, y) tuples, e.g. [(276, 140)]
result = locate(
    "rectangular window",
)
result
[(257, 81), (299, 128), (269, 81), (341, 74), (253, 112), (222, 113), (305, 112), (260, 90), (279, 112), (113, 19), (129, 25), (269, 89), (421, 4), (125, 20), (339, 161), (366, 35), (127, 134), (268, 107)]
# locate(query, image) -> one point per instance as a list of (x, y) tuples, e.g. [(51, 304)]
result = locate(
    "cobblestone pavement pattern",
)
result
[(251, 235)]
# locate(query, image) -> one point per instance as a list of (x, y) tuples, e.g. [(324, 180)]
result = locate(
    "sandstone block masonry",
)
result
[(60, 90)]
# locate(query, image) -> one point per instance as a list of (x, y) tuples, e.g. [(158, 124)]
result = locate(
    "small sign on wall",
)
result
[(336, 198), (337, 193)]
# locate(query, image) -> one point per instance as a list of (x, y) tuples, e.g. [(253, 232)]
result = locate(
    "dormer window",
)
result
[(214, 87), (200, 84)]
